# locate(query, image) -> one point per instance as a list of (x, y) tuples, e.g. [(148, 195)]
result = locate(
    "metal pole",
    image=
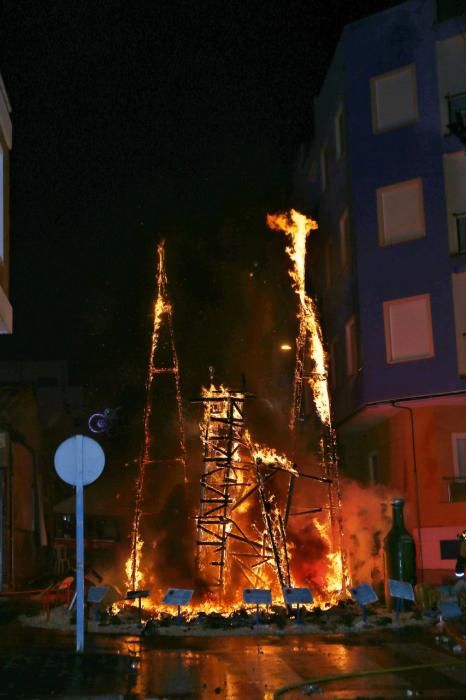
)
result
[(79, 546)]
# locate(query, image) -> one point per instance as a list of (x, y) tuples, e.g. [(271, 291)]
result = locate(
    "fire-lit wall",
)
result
[(385, 179), (422, 451)]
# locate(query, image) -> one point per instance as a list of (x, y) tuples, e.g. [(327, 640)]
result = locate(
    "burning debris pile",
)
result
[(248, 532)]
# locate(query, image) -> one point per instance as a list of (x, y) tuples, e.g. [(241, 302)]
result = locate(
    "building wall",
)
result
[(404, 36), (402, 182), (392, 440)]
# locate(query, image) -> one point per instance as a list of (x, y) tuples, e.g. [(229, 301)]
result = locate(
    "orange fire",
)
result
[(297, 227), (262, 551), (162, 311)]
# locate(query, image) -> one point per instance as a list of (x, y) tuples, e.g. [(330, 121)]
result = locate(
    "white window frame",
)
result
[(391, 360), (352, 359), (456, 467), (415, 235), (373, 87), (324, 167), (339, 126)]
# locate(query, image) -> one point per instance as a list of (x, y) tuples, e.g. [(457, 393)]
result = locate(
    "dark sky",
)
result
[(140, 120)]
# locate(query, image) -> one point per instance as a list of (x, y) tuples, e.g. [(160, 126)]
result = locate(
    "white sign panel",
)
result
[(257, 596), (79, 452), (400, 589), (178, 596), (296, 596), (364, 594)]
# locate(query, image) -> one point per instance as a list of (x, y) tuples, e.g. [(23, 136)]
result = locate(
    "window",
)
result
[(457, 114), (323, 168), (400, 211), (454, 167), (373, 467), (394, 101), (340, 140), (345, 240), (408, 329), (461, 232), (351, 343), (458, 441), (449, 549), (458, 283), (450, 8)]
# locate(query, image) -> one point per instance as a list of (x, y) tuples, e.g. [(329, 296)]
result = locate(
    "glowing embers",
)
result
[(163, 314)]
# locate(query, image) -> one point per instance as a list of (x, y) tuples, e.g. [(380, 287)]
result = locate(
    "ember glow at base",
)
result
[(249, 532)]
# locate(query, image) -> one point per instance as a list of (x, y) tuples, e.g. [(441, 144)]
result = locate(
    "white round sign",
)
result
[(79, 457)]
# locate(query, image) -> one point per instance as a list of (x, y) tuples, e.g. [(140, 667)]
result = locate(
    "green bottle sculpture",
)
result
[(399, 554)]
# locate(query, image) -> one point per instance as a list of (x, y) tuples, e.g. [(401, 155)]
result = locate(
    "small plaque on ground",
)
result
[(450, 609), (296, 596), (258, 596), (178, 596), (401, 589), (96, 594), (364, 594)]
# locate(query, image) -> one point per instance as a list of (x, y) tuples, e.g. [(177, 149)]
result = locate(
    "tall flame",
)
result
[(297, 228)]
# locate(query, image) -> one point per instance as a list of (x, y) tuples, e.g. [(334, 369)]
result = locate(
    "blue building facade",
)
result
[(386, 180)]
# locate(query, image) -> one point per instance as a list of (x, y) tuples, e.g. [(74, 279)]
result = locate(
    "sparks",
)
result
[(163, 312)]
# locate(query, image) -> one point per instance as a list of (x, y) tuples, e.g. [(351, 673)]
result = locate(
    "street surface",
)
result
[(38, 664)]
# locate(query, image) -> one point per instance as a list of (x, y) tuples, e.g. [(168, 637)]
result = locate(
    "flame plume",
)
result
[(297, 227), (163, 312)]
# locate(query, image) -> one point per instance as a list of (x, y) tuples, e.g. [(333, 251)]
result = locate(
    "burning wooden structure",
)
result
[(242, 519)]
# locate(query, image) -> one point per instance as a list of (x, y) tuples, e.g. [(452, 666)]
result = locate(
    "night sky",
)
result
[(141, 120)]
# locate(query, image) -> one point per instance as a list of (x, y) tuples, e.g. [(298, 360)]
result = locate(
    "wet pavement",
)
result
[(37, 664)]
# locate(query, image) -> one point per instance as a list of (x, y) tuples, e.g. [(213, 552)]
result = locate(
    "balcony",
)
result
[(457, 115), (456, 486)]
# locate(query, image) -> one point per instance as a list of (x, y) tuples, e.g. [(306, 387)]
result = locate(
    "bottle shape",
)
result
[(399, 554)]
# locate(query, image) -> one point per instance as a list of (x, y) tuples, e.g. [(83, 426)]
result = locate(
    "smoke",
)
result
[(366, 512)]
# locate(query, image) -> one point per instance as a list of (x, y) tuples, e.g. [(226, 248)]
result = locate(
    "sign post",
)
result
[(178, 597), (400, 590), (363, 595), (79, 461), (297, 596)]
